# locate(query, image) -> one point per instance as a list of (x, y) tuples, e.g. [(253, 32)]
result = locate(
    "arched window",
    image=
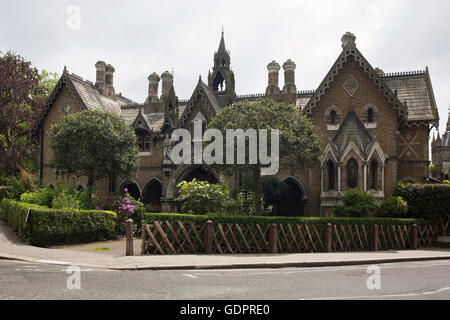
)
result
[(374, 175), (331, 176), (370, 115), (352, 173), (143, 140), (333, 117)]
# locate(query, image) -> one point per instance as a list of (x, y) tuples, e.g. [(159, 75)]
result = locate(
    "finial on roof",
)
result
[(200, 78), (65, 69), (348, 38)]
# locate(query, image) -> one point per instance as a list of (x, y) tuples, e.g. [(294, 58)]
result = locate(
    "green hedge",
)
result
[(150, 217), (425, 200), (46, 227)]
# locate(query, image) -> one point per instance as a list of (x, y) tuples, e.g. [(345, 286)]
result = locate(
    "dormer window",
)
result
[(143, 140)]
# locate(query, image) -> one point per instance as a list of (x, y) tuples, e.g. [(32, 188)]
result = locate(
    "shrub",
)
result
[(24, 182), (356, 203), (201, 197), (425, 200), (42, 197), (46, 227), (394, 207)]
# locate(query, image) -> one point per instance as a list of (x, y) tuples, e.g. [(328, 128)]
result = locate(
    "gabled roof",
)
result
[(350, 50), (154, 121), (201, 89), (86, 95), (415, 88), (352, 130)]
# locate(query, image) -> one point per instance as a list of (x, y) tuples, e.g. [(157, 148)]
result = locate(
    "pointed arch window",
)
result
[(333, 117), (331, 170), (370, 115), (374, 175), (352, 173), (143, 140)]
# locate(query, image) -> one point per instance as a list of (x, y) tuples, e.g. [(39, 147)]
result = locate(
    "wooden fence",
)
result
[(164, 237)]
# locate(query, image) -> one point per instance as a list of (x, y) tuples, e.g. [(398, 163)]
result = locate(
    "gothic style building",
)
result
[(374, 127), (441, 152)]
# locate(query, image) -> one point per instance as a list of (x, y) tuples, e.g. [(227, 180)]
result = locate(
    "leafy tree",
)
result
[(96, 145), (393, 207), (299, 145), (22, 96)]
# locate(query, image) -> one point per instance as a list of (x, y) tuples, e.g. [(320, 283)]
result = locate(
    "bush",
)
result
[(201, 197), (42, 197), (356, 203), (47, 227), (425, 200), (394, 207), (24, 182)]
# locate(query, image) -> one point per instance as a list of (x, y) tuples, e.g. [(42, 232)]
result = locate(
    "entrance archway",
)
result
[(133, 189), (152, 194), (294, 201), (201, 174)]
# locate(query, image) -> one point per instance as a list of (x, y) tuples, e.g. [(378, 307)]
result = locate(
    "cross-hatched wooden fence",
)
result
[(164, 237)]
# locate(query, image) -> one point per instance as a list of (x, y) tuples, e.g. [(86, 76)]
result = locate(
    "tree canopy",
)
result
[(299, 145), (96, 145), (22, 94)]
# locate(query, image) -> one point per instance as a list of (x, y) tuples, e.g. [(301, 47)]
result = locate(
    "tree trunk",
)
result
[(258, 190)]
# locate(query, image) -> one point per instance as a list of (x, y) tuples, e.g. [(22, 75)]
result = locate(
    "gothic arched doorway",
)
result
[(133, 190), (293, 202), (152, 194), (201, 174)]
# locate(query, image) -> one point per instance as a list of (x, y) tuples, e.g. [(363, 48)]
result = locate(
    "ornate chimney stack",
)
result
[(109, 77), (167, 83), (273, 90), (100, 82), (153, 84), (348, 38), (289, 89)]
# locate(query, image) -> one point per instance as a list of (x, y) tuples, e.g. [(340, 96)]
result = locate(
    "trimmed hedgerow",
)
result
[(425, 200), (150, 217), (46, 227)]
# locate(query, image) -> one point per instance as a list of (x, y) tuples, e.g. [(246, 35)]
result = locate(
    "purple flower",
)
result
[(98, 208), (125, 190)]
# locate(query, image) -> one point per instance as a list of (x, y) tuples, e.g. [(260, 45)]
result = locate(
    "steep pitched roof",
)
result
[(86, 95), (350, 50), (201, 89), (415, 88), (352, 130)]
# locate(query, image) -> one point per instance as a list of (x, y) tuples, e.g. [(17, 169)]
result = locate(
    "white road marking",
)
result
[(54, 262), (190, 276), (400, 295)]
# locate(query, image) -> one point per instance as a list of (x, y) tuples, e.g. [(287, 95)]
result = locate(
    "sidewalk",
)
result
[(12, 248)]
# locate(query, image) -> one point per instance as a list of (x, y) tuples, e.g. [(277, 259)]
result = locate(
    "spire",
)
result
[(222, 47), (448, 121)]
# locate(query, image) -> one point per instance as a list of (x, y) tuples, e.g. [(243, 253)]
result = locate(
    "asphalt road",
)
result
[(415, 280)]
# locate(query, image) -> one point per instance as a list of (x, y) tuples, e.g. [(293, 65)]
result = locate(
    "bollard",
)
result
[(328, 237), (375, 237), (129, 236), (415, 238), (208, 237), (273, 238)]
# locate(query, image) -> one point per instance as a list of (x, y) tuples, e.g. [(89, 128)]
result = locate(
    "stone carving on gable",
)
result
[(351, 86)]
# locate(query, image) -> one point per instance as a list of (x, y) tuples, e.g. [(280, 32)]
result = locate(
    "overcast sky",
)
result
[(142, 37)]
